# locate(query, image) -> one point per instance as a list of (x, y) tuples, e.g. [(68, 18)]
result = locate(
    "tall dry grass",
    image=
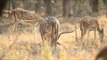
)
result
[(27, 46)]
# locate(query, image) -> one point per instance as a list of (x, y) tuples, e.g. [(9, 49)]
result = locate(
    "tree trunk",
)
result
[(49, 10), (14, 4), (66, 8), (39, 6), (94, 6), (105, 3)]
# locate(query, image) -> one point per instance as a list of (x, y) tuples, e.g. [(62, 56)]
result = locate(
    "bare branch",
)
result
[(65, 33)]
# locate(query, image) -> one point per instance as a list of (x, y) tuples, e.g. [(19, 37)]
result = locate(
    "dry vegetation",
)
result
[(26, 42), (29, 47)]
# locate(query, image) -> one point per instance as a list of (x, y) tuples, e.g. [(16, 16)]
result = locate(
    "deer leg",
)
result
[(53, 40), (101, 34), (49, 40), (95, 34), (81, 34), (33, 28), (42, 39), (42, 36), (46, 39), (87, 33), (16, 29)]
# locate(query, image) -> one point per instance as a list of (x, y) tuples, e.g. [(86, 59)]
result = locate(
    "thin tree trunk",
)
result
[(49, 10), (39, 6), (66, 8), (94, 5)]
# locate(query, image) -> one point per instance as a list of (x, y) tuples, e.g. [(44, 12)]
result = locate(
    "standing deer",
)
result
[(24, 17), (88, 24)]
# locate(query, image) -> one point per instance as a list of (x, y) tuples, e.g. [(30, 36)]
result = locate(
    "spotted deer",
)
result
[(49, 30), (24, 17), (88, 24)]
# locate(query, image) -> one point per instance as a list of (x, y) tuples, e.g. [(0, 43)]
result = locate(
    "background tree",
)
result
[(94, 6), (39, 5), (60, 7), (66, 8), (49, 10)]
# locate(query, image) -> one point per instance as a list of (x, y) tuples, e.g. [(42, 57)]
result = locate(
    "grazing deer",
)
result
[(49, 30), (88, 24)]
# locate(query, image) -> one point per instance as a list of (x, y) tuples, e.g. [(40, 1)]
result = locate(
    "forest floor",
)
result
[(27, 45)]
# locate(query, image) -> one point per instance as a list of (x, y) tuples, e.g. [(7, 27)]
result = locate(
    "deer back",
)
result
[(88, 23)]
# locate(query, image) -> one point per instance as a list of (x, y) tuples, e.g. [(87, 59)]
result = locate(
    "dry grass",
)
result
[(28, 47)]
